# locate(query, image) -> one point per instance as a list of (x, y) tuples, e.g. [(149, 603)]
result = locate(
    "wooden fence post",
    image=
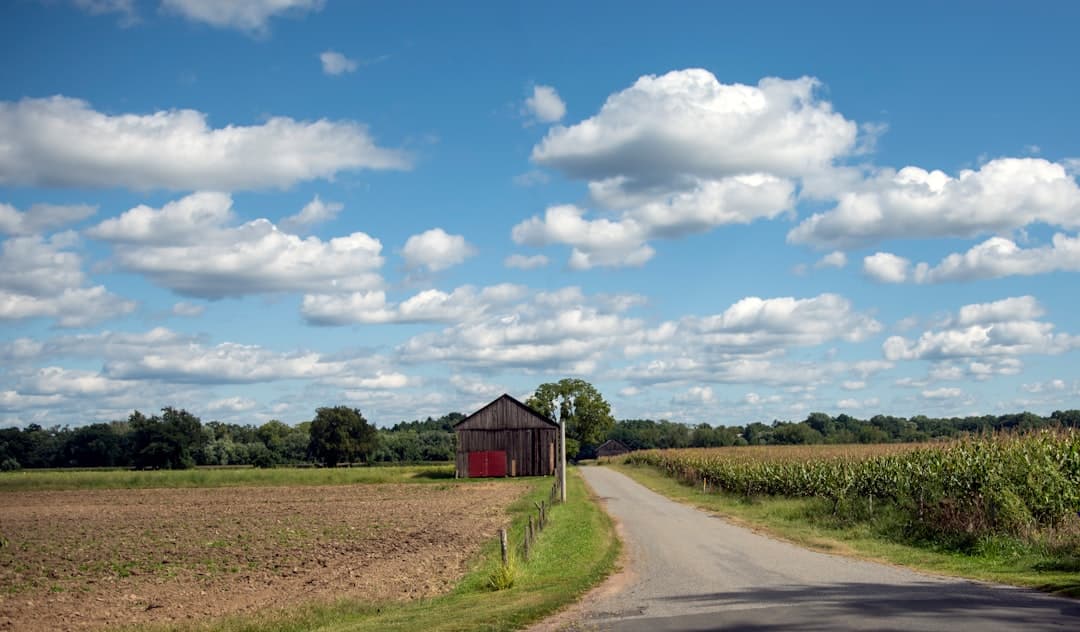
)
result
[(503, 544)]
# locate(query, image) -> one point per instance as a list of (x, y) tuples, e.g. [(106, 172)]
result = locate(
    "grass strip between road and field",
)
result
[(809, 522), (63, 480), (576, 551)]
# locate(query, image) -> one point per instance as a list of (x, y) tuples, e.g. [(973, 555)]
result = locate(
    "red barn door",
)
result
[(487, 464)]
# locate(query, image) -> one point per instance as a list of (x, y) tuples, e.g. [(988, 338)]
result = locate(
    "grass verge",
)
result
[(576, 551), (809, 522), (55, 480)]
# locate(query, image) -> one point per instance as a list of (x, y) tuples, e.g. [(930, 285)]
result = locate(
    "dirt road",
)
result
[(693, 571)]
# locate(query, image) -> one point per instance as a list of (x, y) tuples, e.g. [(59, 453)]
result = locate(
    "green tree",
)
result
[(578, 404), (341, 435)]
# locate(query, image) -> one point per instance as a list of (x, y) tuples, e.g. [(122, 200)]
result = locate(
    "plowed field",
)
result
[(84, 560)]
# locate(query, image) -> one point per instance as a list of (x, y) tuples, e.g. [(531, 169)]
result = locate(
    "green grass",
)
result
[(50, 480), (809, 522), (575, 552)]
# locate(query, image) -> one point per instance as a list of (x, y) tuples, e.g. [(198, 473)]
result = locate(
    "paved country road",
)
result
[(693, 571)]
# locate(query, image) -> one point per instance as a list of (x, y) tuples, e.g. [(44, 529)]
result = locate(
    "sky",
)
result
[(713, 212)]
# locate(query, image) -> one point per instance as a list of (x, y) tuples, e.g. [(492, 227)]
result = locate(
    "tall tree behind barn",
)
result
[(506, 438)]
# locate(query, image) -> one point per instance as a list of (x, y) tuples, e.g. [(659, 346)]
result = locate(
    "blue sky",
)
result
[(715, 213)]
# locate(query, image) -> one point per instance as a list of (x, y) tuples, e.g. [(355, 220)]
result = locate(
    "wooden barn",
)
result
[(611, 447), (506, 438)]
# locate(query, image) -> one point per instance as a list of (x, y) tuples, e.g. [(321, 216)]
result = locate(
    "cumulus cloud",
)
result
[(252, 16), (1008, 327), (545, 105), (40, 218), (42, 277), (599, 242), (525, 262), (125, 9), (680, 154), (428, 306), (1001, 257), (688, 123), (61, 141), (436, 250), (188, 310), (835, 259), (231, 405), (943, 393), (314, 212), (759, 324), (188, 246), (885, 267), (227, 362), (562, 329), (1003, 194), (334, 63), (695, 395)]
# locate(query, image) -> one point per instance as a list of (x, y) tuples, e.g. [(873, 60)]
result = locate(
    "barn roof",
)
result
[(503, 402), (613, 443)]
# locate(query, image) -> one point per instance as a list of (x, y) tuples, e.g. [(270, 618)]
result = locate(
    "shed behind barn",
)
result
[(506, 438)]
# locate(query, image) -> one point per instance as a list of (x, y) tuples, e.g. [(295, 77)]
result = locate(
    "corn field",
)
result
[(994, 484)]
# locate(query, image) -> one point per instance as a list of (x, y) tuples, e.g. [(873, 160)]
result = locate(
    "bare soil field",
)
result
[(92, 559)]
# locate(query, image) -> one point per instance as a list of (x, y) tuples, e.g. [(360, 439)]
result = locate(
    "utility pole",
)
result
[(562, 459)]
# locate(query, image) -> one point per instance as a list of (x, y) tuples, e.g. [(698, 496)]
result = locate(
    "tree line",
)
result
[(177, 439)]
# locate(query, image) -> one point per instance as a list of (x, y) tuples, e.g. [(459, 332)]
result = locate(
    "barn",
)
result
[(506, 438), (611, 447)]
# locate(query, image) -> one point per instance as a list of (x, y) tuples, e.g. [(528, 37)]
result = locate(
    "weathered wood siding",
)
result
[(506, 424)]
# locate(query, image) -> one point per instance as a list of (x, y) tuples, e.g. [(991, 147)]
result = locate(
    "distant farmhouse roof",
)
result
[(612, 447)]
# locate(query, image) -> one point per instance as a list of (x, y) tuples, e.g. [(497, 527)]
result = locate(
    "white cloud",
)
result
[(61, 141), (1045, 387), (334, 63), (760, 324), (227, 362), (622, 241), (999, 329), (231, 404), (531, 177), (1006, 310), (596, 242), (942, 393), (188, 310), (314, 212), (681, 154), (436, 250), (562, 329), (695, 395), (424, 307), (853, 385), (688, 123), (524, 262), (885, 267), (245, 15), (1004, 194), (1000, 257), (125, 8), (545, 104), (186, 246), (41, 218), (42, 278), (56, 380), (835, 259)]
